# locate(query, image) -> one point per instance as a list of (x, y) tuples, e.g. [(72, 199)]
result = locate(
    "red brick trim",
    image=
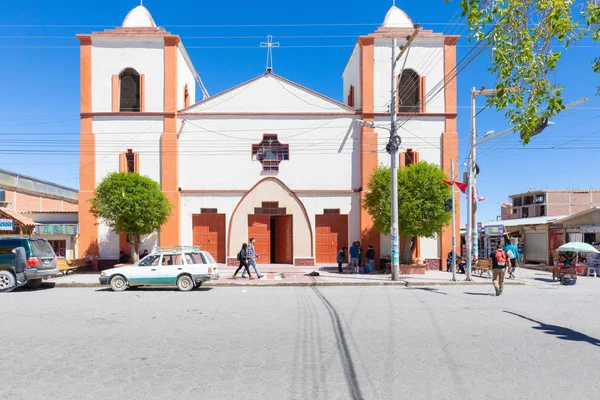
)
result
[(304, 262)]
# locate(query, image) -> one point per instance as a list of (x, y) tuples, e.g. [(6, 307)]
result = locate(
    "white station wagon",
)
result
[(183, 266)]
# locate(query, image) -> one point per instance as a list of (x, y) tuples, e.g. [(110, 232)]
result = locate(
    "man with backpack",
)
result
[(513, 255), (499, 261)]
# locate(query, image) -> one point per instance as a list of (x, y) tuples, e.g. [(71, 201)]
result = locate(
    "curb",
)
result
[(308, 284)]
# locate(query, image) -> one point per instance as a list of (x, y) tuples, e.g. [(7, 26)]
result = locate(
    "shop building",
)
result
[(549, 203), (38, 208)]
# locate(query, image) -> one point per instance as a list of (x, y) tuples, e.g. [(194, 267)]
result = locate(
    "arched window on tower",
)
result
[(409, 92), (130, 91)]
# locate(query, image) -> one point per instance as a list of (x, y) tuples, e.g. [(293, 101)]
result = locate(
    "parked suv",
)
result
[(40, 258)]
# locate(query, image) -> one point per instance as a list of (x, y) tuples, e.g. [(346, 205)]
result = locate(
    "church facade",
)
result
[(269, 158)]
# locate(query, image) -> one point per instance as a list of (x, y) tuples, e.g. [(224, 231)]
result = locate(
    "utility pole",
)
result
[(453, 225), (394, 147), (470, 167)]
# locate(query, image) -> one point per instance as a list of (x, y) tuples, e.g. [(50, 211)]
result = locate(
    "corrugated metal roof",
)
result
[(524, 221), (577, 215)]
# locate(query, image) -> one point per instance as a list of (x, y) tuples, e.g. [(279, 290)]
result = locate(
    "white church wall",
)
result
[(426, 57), (216, 152), (184, 76), (422, 134), (258, 96), (114, 135), (351, 76), (192, 203), (108, 242), (430, 248), (110, 56)]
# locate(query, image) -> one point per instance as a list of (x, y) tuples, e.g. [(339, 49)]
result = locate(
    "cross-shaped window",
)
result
[(270, 152)]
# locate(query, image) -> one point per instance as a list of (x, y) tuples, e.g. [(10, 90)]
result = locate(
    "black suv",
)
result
[(40, 262)]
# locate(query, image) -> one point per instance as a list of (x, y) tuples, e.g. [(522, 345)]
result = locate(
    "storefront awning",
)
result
[(12, 221), (56, 229)]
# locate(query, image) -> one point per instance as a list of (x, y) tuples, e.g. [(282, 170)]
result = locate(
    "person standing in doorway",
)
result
[(499, 261), (252, 256), (341, 257), (370, 256), (354, 257), (243, 258), (513, 256)]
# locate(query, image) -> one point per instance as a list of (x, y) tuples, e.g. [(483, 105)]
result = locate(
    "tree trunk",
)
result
[(406, 254), (133, 248)]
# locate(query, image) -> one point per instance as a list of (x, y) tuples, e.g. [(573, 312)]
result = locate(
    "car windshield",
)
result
[(41, 247), (151, 260)]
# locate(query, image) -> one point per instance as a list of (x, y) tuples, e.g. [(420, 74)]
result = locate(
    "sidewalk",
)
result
[(277, 275)]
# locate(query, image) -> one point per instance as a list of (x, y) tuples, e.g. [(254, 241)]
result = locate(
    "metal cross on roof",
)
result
[(269, 45)]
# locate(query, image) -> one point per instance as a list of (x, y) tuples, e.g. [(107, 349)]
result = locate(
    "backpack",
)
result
[(510, 254), (239, 256), (501, 258)]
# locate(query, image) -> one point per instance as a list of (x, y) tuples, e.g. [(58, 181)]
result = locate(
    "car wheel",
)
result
[(118, 283), (7, 281), (33, 284), (185, 283)]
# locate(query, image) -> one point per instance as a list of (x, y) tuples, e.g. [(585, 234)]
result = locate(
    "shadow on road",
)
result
[(43, 286), (479, 294), (430, 290), (560, 331), (343, 348), (544, 280), (156, 289)]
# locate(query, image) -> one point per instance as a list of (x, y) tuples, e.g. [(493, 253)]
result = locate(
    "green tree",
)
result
[(421, 196), (526, 38), (131, 204)]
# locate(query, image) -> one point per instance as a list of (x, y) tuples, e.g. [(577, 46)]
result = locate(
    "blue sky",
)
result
[(40, 85)]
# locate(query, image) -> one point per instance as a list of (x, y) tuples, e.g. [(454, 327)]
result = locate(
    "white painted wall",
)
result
[(114, 135), (351, 76), (215, 152), (192, 203), (429, 247), (54, 218), (111, 55), (269, 93), (422, 134), (184, 76), (108, 242), (426, 57)]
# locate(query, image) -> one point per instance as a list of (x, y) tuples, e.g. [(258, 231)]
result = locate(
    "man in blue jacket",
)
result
[(513, 255)]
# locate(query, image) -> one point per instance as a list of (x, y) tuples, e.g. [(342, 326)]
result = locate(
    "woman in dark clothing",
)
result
[(243, 257)]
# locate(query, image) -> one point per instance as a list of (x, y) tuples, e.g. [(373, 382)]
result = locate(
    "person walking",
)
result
[(512, 252), (243, 258), (354, 257), (370, 256), (341, 256), (252, 256), (499, 261)]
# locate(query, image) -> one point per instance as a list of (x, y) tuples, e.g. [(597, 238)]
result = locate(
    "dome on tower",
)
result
[(139, 17), (396, 18)]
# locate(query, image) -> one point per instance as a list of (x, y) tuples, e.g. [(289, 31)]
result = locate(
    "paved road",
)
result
[(302, 343)]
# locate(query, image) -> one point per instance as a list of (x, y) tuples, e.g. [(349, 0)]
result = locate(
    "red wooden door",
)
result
[(331, 235), (259, 228), (557, 238), (209, 234), (283, 239)]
